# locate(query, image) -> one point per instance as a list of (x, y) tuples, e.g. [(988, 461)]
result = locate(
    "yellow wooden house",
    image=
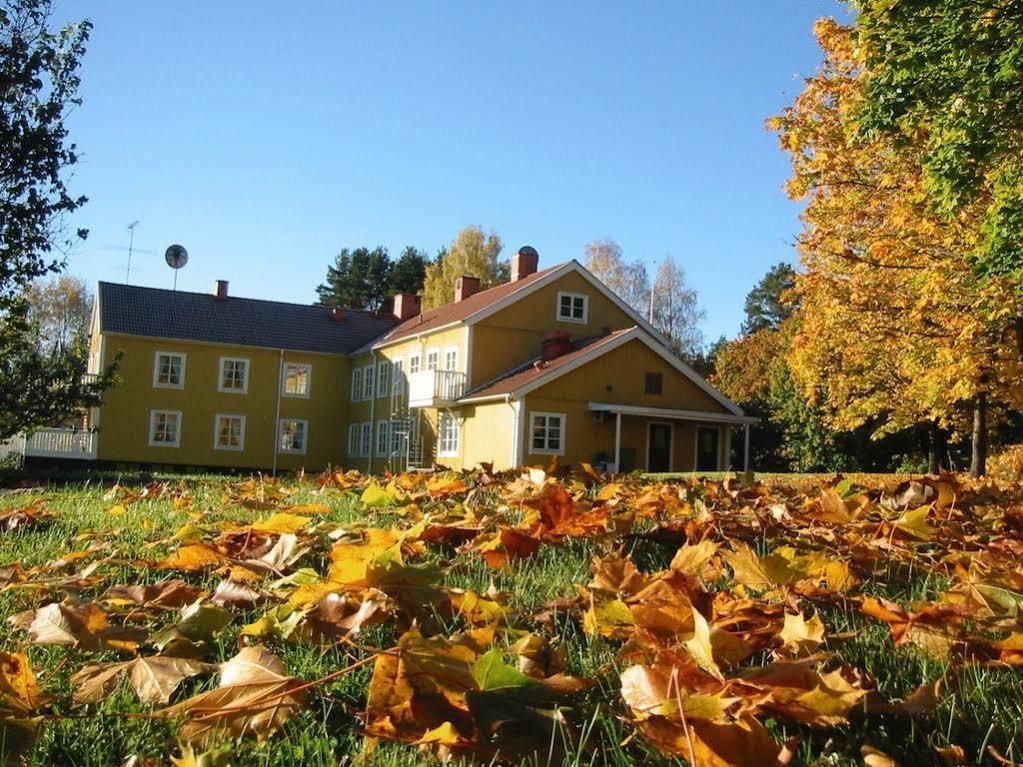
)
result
[(549, 364)]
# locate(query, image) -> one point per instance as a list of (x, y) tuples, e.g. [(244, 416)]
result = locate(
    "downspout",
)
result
[(516, 406), (277, 412), (372, 412)]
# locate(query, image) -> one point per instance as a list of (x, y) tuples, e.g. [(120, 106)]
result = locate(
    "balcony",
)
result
[(61, 443), (435, 388)]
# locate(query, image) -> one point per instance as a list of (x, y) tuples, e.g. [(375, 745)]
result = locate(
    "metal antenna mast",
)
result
[(131, 245)]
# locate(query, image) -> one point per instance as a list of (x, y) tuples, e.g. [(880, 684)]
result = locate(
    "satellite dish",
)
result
[(176, 256)]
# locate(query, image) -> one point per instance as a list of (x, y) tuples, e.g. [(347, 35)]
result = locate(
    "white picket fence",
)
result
[(52, 443)]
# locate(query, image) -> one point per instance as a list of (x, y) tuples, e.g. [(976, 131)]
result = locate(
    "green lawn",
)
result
[(982, 705)]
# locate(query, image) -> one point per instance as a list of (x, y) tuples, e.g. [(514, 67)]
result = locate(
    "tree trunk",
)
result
[(935, 447), (978, 460)]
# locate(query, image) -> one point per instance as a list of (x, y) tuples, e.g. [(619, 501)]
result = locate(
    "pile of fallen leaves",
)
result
[(721, 658)]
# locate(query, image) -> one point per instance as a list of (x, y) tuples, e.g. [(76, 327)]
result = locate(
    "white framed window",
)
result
[(367, 382), (382, 437), (573, 307), (449, 430), (451, 358), (547, 433), (164, 428), (298, 379), (169, 370), (294, 434), (395, 440), (353, 439), (366, 441), (414, 363), (356, 385), (432, 357), (228, 432), (234, 375), (383, 378), (398, 376)]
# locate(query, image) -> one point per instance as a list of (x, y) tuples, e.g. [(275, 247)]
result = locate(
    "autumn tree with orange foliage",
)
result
[(896, 329)]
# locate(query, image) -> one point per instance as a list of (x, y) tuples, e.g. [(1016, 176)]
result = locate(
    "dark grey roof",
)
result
[(139, 311)]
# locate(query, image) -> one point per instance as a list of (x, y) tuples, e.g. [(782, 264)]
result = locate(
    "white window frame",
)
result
[(308, 368), (383, 377), (365, 439), (563, 294), (368, 382), (533, 415), (398, 376), (156, 370), (356, 384), (245, 379), (280, 436), (452, 353), (353, 440), (415, 363), (383, 438), (448, 444), (152, 428), (432, 359), (395, 441), (216, 432)]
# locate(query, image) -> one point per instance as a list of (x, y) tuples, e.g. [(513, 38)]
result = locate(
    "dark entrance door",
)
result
[(659, 447), (707, 448)]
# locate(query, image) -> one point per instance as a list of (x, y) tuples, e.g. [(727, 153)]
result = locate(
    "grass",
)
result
[(982, 706)]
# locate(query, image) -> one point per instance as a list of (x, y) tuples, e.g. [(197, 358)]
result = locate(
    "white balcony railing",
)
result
[(435, 388), (61, 443)]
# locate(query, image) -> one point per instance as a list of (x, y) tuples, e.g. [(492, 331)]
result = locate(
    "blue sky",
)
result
[(265, 137)]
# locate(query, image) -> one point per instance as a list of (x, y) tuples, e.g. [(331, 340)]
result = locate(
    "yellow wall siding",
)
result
[(488, 436), (513, 335), (125, 414)]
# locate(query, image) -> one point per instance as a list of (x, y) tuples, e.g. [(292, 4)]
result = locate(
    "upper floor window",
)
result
[(356, 385), (432, 357), (294, 433), (547, 433), (451, 359), (165, 428), (367, 382), (398, 382), (234, 375), (383, 377), (297, 379), (448, 432), (229, 432), (169, 370), (653, 383), (573, 307), (413, 364)]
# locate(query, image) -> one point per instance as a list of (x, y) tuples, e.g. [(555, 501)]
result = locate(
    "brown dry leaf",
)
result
[(154, 678), (799, 636), (192, 558), (20, 696)]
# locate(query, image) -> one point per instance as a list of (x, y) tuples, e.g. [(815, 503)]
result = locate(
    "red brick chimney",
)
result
[(220, 290), (466, 286), (406, 305), (524, 263)]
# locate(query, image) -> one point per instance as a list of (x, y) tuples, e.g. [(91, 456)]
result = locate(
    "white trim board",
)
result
[(678, 415)]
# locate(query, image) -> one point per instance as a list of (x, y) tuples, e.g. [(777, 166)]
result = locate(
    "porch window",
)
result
[(573, 307), (451, 359), (169, 370), (448, 428), (356, 385), (395, 439), (229, 432), (293, 435), (547, 433), (398, 382), (297, 379), (383, 377), (432, 357), (165, 428), (414, 363), (234, 375)]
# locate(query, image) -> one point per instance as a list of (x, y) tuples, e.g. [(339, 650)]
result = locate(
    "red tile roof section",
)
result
[(456, 311), (525, 374)]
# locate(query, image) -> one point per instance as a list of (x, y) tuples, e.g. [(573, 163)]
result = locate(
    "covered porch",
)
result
[(659, 439)]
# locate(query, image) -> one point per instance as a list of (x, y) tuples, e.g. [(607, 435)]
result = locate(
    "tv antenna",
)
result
[(176, 257), (131, 245)]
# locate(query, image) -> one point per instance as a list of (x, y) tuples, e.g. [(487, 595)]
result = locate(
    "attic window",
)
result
[(653, 383), (573, 307)]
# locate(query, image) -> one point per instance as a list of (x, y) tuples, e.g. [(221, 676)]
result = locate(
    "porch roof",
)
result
[(703, 416)]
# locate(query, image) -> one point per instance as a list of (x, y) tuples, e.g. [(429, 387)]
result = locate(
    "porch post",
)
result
[(618, 443), (745, 448)]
